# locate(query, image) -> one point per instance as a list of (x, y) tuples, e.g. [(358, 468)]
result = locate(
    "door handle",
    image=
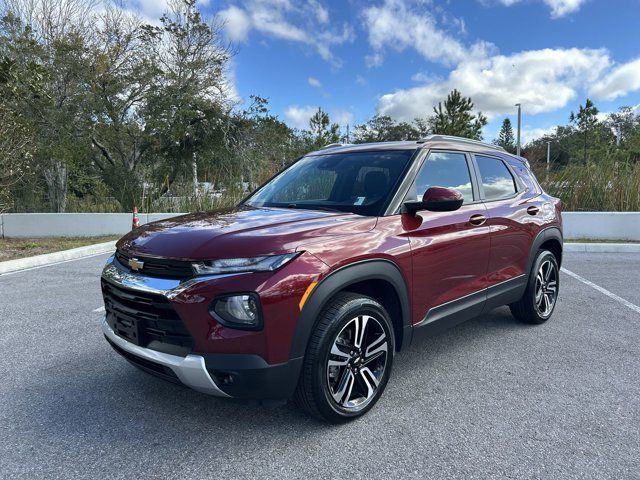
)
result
[(477, 219), (533, 210)]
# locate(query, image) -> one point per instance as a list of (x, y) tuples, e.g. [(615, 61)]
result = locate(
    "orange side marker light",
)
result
[(307, 292)]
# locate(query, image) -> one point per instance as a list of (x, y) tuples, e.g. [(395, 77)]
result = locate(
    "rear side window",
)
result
[(443, 169), (497, 180)]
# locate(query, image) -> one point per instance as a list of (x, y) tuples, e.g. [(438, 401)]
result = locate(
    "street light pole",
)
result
[(519, 125)]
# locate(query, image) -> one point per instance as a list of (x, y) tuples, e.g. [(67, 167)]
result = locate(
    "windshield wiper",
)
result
[(313, 207)]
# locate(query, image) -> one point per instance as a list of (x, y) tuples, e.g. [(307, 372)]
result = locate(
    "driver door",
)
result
[(449, 250)]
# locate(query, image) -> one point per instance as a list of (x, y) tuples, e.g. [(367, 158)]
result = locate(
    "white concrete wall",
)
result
[(591, 225), (17, 225), (602, 225)]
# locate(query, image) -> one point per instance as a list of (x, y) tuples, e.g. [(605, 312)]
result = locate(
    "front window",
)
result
[(443, 169), (359, 182)]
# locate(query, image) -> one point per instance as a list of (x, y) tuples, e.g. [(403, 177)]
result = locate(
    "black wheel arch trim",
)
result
[(550, 233), (340, 279)]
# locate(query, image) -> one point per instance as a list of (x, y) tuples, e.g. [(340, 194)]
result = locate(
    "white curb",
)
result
[(56, 257), (602, 247)]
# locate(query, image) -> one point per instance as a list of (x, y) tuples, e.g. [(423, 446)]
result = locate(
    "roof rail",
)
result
[(337, 144), (451, 138)]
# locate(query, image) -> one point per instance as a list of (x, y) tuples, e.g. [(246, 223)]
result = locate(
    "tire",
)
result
[(344, 373), (540, 297)]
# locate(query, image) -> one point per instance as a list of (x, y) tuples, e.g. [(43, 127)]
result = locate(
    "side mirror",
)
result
[(436, 199)]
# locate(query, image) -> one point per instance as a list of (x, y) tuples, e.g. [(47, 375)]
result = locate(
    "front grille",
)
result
[(158, 267), (145, 319)]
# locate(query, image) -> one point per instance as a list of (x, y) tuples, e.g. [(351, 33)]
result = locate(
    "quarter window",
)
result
[(443, 169), (497, 180)]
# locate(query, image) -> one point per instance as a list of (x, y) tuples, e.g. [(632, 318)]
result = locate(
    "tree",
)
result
[(187, 110), (382, 128), (625, 123), (16, 139), (321, 131), (506, 138), (456, 118), (121, 77), (585, 120), (51, 35), (262, 144)]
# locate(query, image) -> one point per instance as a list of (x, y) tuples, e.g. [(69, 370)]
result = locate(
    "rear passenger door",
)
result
[(510, 211)]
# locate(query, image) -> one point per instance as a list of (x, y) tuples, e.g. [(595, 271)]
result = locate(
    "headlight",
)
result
[(241, 311), (267, 263)]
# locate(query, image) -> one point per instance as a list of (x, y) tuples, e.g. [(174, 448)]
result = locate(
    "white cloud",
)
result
[(151, 10), (301, 21), (314, 82), (236, 23), (320, 11), (374, 60), (529, 134), (621, 80), (342, 117), (559, 8), (401, 24), (542, 80), (360, 80), (422, 77), (298, 117)]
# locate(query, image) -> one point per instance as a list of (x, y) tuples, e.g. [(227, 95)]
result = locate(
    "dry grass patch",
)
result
[(12, 248)]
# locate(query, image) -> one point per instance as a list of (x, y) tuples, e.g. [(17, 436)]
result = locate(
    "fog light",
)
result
[(241, 311)]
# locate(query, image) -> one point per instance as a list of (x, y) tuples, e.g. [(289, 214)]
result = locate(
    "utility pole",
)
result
[(548, 160), (519, 125), (194, 171)]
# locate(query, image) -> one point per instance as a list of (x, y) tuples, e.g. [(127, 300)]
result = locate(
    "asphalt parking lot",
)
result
[(491, 398)]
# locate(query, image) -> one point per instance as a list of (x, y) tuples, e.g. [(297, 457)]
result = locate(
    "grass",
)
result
[(592, 240), (12, 248), (604, 186)]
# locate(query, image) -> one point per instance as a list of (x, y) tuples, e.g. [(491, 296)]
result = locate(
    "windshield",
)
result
[(361, 182)]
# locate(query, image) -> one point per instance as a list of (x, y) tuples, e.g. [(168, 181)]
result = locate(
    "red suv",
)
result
[(312, 284)]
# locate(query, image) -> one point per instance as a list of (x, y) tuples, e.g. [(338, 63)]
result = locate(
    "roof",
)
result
[(444, 142)]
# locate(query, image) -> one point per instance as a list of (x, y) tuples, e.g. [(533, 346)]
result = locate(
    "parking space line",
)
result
[(609, 294)]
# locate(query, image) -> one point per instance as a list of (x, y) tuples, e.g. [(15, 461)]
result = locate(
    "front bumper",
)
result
[(190, 370), (232, 375), (244, 376)]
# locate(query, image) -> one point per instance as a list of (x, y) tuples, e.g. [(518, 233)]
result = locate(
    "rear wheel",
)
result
[(348, 360), (539, 299)]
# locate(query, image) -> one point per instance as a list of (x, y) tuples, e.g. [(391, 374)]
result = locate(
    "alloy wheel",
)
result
[(357, 362), (546, 290)]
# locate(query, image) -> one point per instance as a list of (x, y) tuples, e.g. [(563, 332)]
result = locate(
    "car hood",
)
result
[(239, 232)]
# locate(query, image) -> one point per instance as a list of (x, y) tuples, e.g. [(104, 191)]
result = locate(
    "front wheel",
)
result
[(348, 360), (539, 299)]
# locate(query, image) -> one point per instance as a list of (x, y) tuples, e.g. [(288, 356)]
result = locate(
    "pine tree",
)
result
[(321, 130), (456, 118), (586, 119), (506, 138)]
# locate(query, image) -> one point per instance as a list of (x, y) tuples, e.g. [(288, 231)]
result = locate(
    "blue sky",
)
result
[(398, 57)]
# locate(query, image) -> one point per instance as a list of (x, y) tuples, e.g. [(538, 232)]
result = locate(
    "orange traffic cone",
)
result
[(135, 223)]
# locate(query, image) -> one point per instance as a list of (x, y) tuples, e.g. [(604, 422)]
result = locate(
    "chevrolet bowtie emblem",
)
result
[(135, 264)]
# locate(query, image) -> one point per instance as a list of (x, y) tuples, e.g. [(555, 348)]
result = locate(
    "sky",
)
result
[(356, 58)]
